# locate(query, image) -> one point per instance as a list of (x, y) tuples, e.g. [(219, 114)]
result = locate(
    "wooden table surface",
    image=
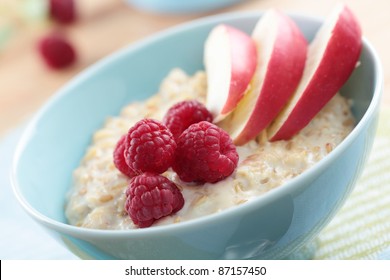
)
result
[(106, 25)]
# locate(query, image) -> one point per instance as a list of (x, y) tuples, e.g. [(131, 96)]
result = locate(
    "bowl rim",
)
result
[(288, 187), (182, 7)]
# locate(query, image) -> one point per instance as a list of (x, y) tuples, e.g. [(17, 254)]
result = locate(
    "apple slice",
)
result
[(332, 56), (230, 60), (281, 50)]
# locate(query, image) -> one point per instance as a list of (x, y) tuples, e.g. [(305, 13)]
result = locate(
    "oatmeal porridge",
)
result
[(97, 197)]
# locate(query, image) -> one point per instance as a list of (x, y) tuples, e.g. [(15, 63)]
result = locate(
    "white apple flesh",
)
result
[(230, 60), (332, 56), (281, 50)]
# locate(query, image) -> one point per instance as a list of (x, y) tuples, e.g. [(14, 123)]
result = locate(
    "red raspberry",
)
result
[(56, 51), (151, 197), (150, 147), (205, 153), (119, 158), (181, 115), (63, 11)]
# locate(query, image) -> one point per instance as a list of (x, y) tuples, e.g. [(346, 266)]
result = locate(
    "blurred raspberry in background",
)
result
[(63, 11), (56, 50)]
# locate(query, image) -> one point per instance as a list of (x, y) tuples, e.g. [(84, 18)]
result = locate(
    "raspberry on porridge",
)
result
[(149, 147), (181, 115), (119, 158), (205, 153), (150, 197)]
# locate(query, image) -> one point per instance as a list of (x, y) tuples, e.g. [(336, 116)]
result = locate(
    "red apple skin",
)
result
[(243, 57), (336, 66), (283, 74), (244, 61)]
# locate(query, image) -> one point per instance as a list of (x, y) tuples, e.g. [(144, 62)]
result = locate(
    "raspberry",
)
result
[(62, 11), (56, 51), (151, 197), (205, 153), (119, 158), (181, 115), (150, 147)]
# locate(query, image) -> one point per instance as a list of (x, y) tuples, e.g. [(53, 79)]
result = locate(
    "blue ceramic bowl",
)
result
[(181, 6), (269, 227)]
